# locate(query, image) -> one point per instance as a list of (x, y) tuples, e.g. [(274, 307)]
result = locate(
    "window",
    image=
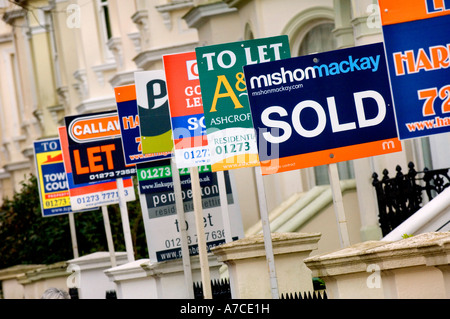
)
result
[(105, 28), (318, 39), (104, 14)]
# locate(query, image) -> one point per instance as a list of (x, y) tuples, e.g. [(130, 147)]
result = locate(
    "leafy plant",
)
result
[(28, 238)]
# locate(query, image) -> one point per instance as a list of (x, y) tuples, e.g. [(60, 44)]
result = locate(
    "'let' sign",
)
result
[(95, 147), (417, 40), (322, 108), (228, 121)]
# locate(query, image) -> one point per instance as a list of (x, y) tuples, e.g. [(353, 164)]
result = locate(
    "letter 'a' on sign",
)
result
[(153, 110), (186, 110), (417, 41), (228, 120), (322, 108)]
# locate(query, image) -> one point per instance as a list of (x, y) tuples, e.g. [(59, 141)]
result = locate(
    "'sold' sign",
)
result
[(228, 119), (322, 108)]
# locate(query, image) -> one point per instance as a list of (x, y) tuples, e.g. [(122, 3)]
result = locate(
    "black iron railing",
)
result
[(220, 289), (314, 295), (401, 196), (111, 294), (73, 292)]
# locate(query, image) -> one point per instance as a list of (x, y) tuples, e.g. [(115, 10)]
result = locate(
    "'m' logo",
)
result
[(434, 6), (388, 145)]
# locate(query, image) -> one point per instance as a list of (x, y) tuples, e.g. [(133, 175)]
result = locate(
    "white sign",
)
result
[(163, 229)]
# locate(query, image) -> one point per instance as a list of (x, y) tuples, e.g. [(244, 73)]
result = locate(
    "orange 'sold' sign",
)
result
[(95, 148)]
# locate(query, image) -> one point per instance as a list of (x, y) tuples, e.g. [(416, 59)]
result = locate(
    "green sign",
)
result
[(165, 171), (156, 176), (228, 120)]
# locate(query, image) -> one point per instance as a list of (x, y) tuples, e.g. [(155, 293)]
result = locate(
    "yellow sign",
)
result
[(51, 176)]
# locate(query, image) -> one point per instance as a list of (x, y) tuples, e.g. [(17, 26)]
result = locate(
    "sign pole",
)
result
[(125, 220), (224, 206), (183, 230), (109, 237), (338, 205), (267, 233), (201, 238), (73, 235)]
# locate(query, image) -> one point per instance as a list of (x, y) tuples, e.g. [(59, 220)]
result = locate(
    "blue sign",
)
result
[(418, 55), (127, 110), (322, 108), (156, 176)]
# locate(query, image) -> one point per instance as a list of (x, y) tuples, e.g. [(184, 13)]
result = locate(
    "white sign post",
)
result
[(338, 205), (183, 230), (267, 233), (109, 238), (224, 206), (125, 220), (203, 254), (73, 235)]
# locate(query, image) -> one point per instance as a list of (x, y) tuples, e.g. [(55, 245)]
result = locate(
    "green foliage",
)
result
[(404, 236), (28, 238), (318, 283)]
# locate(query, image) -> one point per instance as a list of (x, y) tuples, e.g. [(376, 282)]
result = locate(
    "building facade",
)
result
[(64, 57)]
